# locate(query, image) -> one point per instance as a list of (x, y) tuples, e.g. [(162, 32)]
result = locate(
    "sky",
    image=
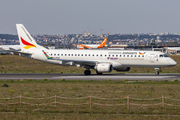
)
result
[(98, 16)]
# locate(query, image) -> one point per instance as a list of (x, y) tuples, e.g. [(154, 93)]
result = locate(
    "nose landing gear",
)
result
[(157, 71)]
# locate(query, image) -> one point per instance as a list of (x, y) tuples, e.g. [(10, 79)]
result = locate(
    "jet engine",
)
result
[(103, 67), (121, 69)]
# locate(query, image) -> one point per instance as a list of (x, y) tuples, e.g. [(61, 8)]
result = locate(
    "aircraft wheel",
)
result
[(87, 72), (157, 73), (98, 73)]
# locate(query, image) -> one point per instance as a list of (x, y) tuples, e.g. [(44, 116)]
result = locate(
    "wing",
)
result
[(80, 62)]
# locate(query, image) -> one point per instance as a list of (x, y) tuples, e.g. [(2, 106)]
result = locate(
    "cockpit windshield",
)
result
[(163, 55)]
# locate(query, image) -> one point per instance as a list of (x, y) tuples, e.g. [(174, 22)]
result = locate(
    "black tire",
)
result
[(98, 73), (157, 73), (87, 72)]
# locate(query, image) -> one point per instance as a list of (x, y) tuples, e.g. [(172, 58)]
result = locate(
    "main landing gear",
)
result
[(87, 72), (157, 71), (98, 73)]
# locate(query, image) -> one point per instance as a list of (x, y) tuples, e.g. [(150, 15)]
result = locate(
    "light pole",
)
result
[(152, 45), (64, 41), (77, 36)]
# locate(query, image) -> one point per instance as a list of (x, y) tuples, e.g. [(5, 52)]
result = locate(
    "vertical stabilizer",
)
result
[(26, 41), (103, 43)]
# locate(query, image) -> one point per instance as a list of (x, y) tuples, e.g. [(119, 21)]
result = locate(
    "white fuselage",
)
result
[(90, 46), (94, 45), (117, 58)]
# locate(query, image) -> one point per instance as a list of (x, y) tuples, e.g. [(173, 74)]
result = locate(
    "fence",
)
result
[(91, 103)]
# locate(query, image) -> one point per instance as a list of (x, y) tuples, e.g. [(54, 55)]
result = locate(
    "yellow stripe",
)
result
[(28, 46)]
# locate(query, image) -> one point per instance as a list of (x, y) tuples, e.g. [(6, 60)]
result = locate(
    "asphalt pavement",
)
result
[(78, 76)]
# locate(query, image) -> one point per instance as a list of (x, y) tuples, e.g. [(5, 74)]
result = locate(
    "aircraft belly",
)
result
[(131, 62), (53, 61)]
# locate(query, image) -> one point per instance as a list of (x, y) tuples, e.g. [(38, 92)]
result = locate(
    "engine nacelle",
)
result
[(122, 69), (103, 67)]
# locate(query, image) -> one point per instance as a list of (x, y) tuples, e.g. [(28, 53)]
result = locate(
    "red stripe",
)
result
[(26, 43)]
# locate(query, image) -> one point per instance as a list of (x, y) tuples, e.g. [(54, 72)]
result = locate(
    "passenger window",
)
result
[(142, 55), (134, 55), (75, 54), (89, 55), (127, 55), (81, 54), (109, 55), (101, 55), (71, 54), (58, 54), (105, 55), (116, 55), (131, 55), (119, 55), (78, 54), (97, 55), (61, 54), (65, 54), (93, 55), (85, 54), (112, 55), (138, 55), (124, 56)]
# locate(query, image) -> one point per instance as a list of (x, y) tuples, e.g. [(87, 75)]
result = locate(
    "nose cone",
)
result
[(172, 62)]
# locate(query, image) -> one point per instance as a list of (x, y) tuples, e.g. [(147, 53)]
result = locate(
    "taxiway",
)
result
[(78, 76)]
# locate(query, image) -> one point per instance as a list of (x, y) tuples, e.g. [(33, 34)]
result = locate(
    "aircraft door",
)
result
[(152, 58)]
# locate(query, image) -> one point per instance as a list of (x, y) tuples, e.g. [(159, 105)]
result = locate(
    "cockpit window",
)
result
[(163, 55), (166, 55)]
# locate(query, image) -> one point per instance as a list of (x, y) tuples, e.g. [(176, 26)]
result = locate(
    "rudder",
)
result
[(25, 39), (103, 43)]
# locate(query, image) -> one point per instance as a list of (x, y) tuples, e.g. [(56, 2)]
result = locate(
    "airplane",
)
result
[(10, 47), (92, 46), (102, 61)]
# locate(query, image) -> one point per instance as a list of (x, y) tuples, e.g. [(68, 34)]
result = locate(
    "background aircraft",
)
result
[(93, 46), (10, 47)]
